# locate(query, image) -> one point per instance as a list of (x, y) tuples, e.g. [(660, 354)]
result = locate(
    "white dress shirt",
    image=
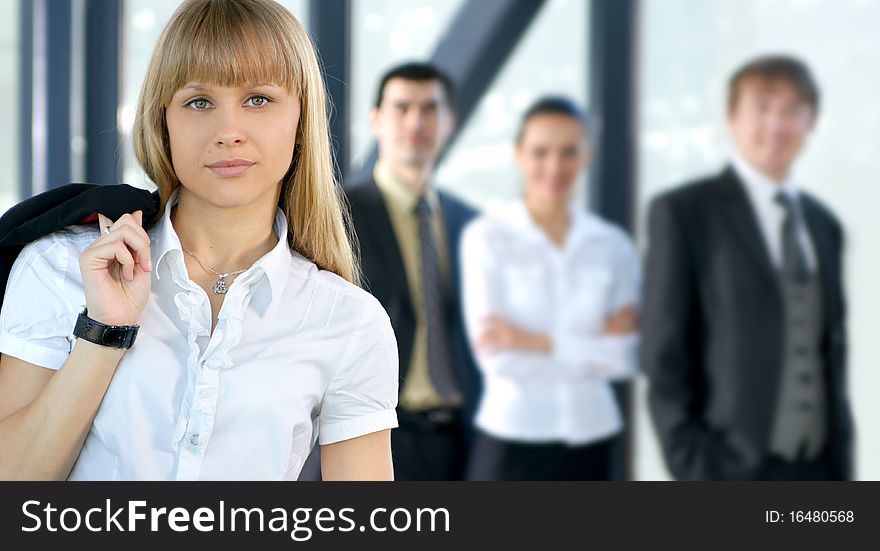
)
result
[(512, 270), (762, 191), (298, 355)]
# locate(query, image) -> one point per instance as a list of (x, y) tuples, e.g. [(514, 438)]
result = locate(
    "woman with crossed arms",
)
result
[(550, 298)]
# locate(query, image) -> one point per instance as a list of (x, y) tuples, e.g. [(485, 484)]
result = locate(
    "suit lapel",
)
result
[(382, 232), (453, 222), (740, 214), (819, 236)]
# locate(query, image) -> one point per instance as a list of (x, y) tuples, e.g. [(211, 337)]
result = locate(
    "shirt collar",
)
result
[(275, 264), (168, 244), (399, 192), (518, 213), (761, 188)]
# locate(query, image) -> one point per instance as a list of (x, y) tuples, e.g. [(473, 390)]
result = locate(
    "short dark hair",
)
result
[(552, 105), (419, 72), (775, 67)]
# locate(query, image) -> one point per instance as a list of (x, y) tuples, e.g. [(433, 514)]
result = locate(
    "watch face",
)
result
[(115, 336)]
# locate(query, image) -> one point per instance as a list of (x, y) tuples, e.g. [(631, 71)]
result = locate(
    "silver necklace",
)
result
[(220, 287)]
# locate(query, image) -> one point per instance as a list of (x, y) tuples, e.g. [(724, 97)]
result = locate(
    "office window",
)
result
[(383, 34), (551, 58), (9, 113)]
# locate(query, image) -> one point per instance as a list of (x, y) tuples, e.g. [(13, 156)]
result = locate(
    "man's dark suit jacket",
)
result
[(64, 206), (712, 330), (385, 277)]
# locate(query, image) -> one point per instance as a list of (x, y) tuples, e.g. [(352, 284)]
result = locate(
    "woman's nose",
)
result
[(230, 137), (230, 130)]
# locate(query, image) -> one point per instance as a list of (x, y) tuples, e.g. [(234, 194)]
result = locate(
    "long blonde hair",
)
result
[(228, 43)]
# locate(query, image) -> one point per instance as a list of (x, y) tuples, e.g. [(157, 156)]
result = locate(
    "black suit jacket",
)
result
[(64, 206), (713, 327), (385, 277)]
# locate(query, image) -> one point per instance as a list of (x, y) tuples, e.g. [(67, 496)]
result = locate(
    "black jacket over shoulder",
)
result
[(713, 330), (63, 206), (385, 277)]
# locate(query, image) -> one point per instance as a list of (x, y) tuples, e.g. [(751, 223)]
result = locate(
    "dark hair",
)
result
[(552, 105), (775, 67), (419, 72)]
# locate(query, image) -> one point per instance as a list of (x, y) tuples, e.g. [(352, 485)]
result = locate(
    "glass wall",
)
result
[(382, 35), (9, 112), (688, 48), (550, 59)]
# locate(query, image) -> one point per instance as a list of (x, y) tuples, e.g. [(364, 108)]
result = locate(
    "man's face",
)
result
[(770, 122), (413, 122)]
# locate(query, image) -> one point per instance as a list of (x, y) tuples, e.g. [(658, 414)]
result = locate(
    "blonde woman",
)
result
[(253, 339)]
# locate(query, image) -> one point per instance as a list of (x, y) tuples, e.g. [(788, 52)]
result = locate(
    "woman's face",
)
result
[(231, 146), (551, 153)]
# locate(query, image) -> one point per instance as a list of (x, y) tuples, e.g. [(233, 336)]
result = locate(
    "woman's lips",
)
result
[(231, 167)]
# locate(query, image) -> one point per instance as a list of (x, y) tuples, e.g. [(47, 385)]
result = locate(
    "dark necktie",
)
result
[(439, 361), (794, 260)]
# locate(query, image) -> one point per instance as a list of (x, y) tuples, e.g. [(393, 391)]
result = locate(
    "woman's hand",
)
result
[(499, 334), (116, 271), (623, 322)]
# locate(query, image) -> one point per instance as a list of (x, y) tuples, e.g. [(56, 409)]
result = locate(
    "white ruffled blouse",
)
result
[(298, 356)]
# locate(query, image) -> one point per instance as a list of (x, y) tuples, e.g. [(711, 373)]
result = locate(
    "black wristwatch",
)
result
[(116, 336)]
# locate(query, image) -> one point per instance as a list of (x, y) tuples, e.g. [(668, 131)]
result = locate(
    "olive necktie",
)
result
[(439, 361)]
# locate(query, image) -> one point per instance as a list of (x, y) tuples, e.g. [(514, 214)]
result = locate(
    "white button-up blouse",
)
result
[(512, 270), (298, 355)]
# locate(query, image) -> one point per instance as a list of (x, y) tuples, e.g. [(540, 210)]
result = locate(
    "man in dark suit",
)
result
[(743, 317), (409, 234)]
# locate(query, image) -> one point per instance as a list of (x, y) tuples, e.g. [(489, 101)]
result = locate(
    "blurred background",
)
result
[(652, 73)]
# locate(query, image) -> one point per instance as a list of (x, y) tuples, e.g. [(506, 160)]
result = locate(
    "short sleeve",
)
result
[(41, 303), (626, 289), (362, 396)]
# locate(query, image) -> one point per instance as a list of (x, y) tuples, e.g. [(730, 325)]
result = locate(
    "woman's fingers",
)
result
[(488, 341), (129, 230), (118, 251), (623, 322), (139, 244)]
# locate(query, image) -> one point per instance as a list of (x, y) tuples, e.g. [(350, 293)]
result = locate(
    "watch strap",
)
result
[(115, 336)]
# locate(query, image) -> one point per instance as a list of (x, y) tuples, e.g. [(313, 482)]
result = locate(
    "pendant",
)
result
[(220, 287)]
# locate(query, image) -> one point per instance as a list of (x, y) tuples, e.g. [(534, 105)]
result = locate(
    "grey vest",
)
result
[(800, 422)]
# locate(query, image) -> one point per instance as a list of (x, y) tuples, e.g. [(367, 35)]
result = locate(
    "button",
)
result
[(194, 439), (805, 406), (805, 377)]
